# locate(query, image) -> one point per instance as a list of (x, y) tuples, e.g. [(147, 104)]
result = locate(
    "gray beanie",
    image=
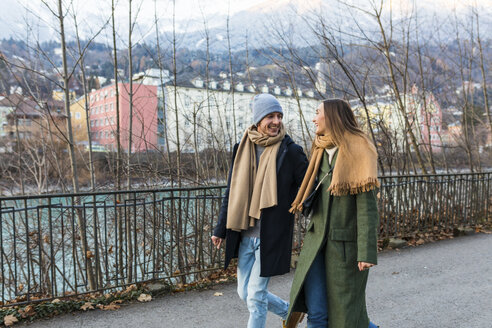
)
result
[(264, 104)]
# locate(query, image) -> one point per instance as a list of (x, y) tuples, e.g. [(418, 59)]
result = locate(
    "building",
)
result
[(26, 118), (78, 116), (145, 123), (194, 115), (215, 116), (60, 95), (424, 117), (152, 76)]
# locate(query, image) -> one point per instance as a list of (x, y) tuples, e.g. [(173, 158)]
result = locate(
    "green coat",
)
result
[(345, 228)]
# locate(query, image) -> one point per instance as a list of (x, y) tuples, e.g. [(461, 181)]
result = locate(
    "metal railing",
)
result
[(61, 245), (422, 203)]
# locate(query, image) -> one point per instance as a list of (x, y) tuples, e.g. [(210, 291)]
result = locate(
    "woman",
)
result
[(340, 244)]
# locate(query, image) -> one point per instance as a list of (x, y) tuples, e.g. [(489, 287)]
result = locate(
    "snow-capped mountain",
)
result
[(264, 23)]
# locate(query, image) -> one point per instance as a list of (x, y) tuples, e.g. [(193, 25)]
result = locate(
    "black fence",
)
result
[(409, 204), (60, 245)]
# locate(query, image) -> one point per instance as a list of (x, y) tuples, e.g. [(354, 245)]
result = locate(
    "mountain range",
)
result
[(263, 24)]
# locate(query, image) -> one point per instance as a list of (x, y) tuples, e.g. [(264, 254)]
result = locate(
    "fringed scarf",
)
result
[(355, 169), (252, 190)]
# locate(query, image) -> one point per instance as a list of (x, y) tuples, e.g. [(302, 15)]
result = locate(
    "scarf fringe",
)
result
[(345, 188), (296, 208)]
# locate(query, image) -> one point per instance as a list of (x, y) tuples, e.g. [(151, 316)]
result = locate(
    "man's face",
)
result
[(270, 124)]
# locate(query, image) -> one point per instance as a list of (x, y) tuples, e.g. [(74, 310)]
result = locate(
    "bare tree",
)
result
[(231, 75), (117, 103), (175, 90), (483, 70)]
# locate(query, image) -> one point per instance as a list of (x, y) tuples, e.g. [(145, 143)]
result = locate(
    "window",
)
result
[(24, 135), (77, 115), (105, 108), (106, 121), (25, 121), (111, 108), (92, 123)]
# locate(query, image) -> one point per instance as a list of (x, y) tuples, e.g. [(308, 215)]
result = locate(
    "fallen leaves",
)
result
[(418, 238), (9, 320), (487, 228), (87, 306), (128, 290), (144, 298), (110, 307), (28, 311), (110, 300)]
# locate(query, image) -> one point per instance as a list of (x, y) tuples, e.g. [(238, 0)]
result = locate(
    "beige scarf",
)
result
[(252, 190), (355, 169)]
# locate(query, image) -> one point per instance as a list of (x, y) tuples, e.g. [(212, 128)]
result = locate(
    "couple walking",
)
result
[(269, 180)]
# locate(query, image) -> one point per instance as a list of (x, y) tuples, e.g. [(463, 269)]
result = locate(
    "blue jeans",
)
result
[(254, 289), (315, 294)]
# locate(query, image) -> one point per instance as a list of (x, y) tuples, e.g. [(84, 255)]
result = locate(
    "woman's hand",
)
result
[(363, 265), (217, 241)]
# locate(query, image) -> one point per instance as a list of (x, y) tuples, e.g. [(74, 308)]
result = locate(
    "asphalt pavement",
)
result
[(442, 284)]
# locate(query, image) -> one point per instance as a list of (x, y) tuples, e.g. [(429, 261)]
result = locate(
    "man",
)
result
[(266, 171)]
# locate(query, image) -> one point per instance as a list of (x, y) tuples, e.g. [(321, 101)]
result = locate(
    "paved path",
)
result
[(442, 284)]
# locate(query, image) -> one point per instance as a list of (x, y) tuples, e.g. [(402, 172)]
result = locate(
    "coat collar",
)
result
[(282, 151)]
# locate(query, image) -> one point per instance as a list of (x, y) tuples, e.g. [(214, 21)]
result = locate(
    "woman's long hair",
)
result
[(339, 119)]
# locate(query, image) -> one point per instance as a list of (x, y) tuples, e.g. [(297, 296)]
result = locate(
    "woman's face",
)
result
[(319, 120)]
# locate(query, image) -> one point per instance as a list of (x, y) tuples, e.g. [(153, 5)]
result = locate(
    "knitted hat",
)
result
[(264, 104)]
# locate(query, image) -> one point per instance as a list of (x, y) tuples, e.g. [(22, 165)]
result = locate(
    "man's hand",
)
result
[(363, 265), (217, 241)]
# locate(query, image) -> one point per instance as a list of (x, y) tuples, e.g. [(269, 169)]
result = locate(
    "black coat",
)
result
[(277, 224)]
